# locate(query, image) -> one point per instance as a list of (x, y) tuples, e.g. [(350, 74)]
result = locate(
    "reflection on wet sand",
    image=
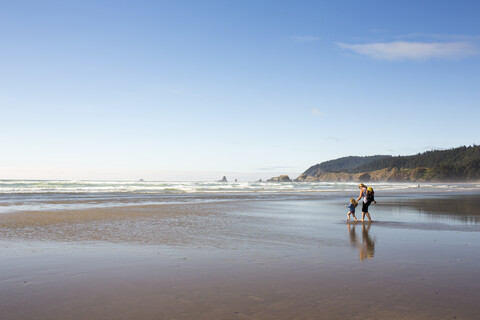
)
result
[(366, 247), (464, 208)]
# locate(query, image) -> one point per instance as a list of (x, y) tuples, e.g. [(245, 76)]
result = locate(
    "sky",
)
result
[(195, 90)]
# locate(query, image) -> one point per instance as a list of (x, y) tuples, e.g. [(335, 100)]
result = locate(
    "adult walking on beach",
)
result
[(368, 198)]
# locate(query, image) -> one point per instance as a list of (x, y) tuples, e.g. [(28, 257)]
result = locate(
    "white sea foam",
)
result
[(58, 186), (42, 195)]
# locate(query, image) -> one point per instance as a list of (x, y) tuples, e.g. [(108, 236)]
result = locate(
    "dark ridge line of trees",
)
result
[(345, 164), (462, 163)]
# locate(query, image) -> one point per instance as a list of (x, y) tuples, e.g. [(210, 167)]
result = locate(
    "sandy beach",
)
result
[(283, 257)]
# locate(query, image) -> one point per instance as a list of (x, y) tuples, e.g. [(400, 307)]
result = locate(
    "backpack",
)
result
[(369, 195)]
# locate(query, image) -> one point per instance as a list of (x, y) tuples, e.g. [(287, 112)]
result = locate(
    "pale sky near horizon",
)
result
[(194, 90)]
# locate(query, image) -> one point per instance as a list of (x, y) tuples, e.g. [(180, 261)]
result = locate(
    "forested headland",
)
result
[(457, 164)]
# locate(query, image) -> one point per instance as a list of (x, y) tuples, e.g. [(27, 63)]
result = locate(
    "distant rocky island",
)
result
[(457, 164), (282, 178)]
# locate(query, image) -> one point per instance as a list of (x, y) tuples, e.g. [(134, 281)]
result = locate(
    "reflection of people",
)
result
[(366, 248), (353, 235), (351, 209), (367, 195), (368, 245)]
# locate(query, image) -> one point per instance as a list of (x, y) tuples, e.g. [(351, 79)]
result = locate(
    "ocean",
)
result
[(48, 195)]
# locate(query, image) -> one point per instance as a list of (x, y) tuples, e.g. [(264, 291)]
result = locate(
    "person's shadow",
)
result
[(366, 247)]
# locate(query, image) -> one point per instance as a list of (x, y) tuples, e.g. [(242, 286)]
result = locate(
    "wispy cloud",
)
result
[(334, 139), (316, 112), (303, 39), (405, 50)]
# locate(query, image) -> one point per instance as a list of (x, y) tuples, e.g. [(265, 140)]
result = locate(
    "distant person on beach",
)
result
[(351, 209), (367, 195)]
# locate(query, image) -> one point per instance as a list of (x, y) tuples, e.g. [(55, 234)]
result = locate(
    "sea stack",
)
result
[(282, 178)]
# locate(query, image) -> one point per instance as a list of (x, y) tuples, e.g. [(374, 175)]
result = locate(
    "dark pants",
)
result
[(365, 206)]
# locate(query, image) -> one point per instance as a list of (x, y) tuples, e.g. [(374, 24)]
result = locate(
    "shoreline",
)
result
[(11, 203), (180, 222)]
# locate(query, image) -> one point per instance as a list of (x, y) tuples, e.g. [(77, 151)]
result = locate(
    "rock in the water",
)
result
[(282, 178), (224, 179)]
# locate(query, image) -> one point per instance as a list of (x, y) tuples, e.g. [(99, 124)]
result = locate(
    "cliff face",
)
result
[(382, 175)]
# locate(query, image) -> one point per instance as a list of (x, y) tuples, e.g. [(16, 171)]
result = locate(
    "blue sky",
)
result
[(194, 90)]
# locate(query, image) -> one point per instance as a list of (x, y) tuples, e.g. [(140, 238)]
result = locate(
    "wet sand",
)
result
[(262, 259)]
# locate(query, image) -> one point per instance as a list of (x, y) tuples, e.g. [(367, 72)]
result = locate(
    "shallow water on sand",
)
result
[(258, 259)]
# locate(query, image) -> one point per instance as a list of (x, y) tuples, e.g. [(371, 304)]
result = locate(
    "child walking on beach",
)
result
[(351, 208)]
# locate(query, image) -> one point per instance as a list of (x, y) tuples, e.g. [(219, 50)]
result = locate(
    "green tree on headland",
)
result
[(458, 164)]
